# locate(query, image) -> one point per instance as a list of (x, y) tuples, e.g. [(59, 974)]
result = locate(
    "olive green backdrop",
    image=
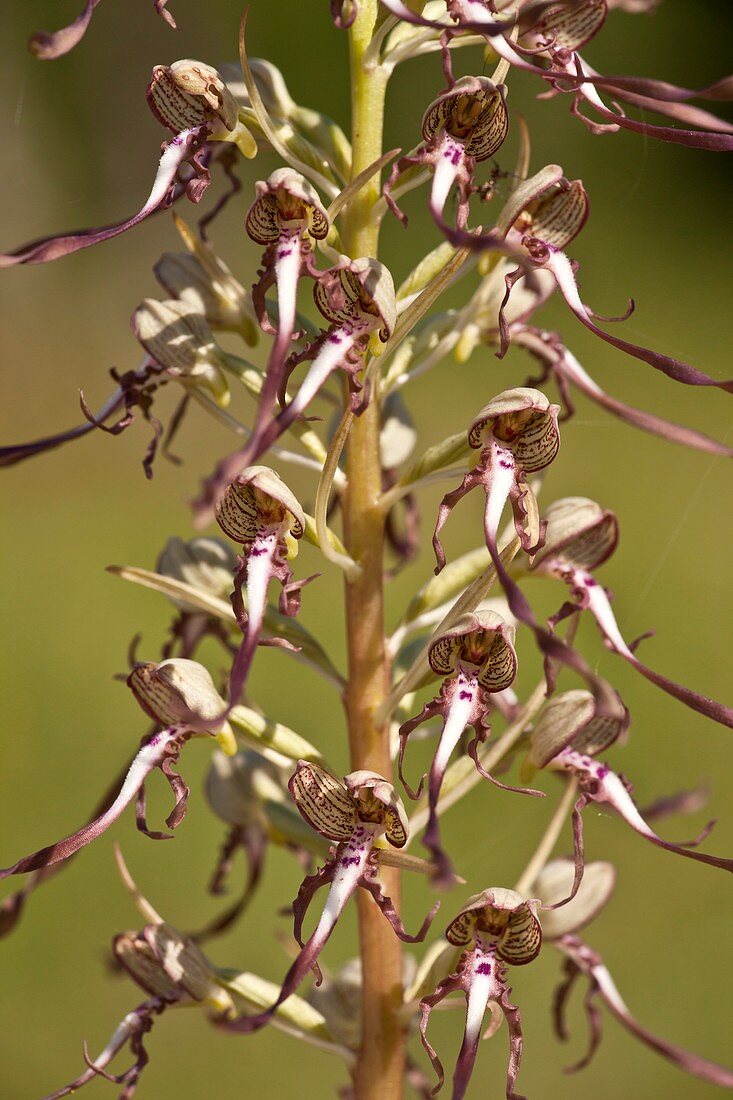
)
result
[(80, 148)]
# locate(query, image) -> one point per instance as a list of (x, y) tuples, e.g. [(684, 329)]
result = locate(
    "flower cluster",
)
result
[(316, 219)]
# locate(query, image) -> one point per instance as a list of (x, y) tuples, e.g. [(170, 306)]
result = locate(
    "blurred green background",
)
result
[(80, 149)]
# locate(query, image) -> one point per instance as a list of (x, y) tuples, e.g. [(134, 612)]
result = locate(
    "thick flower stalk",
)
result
[(259, 512), (495, 928), (580, 536), (354, 814), (477, 659)]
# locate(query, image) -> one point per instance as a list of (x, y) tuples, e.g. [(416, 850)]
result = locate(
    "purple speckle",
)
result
[(483, 968)]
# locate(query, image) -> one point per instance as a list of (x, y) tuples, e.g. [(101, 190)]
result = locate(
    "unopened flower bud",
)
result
[(205, 564), (555, 882), (210, 289), (569, 720), (178, 337)]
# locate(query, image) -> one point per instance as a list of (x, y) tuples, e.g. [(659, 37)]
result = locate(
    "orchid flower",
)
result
[(463, 126), (354, 814), (559, 926), (180, 696), (286, 217), (516, 434), (47, 46), (579, 537), (553, 214), (259, 512), (172, 970), (496, 928), (567, 737), (194, 103), (477, 659), (358, 298), (553, 32)]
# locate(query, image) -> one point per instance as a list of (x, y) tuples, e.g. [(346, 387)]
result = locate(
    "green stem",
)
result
[(380, 1068)]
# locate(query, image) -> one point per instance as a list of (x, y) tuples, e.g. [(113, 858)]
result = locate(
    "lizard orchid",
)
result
[(516, 434), (560, 925), (194, 103), (548, 214), (477, 659), (180, 696), (354, 814), (495, 928), (567, 738), (286, 218), (463, 126), (580, 536), (259, 512)]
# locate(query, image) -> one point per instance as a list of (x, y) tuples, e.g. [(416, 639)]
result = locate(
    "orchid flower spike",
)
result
[(286, 217), (180, 696), (476, 658), (567, 737), (554, 213), (581, 536), (354, 814), (177, 336), (516, 434), (560, 924), (463, 126), (259, 512), (495, 928)]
